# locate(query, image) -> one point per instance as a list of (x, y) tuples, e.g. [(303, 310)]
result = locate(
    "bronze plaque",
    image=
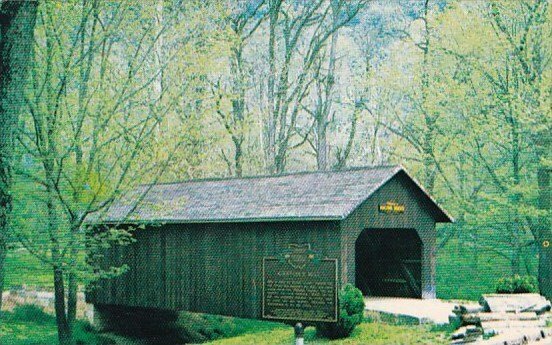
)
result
[(299, 286)]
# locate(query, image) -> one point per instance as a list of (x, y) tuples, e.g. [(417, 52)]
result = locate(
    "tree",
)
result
[(325, 84), (304, 31), (87, 137), (503, 75), (421, 129), (17, 20), (523, 28), (243, 22), (494, 84), (195, 36)]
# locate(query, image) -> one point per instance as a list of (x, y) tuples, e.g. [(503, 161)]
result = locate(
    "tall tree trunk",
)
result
[(238, 158), (322, 149), (65, 335), (17, 20), (72, 287), (274, 10), (238, 108), (158, 85), (342, 155), (429, 134), (63, 326), (545, 233), (322, 143)]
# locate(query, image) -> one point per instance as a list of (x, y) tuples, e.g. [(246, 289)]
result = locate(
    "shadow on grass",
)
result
[(29, 325)]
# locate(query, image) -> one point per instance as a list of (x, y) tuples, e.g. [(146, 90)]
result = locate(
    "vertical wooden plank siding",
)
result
[(208, 268)]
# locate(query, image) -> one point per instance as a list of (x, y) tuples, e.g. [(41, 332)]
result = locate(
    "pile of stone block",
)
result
[(505, 319)]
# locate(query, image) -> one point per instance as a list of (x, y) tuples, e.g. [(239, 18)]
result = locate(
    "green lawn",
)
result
[(23, 268), (366, 333), (26, 333), (29, 325), (16, 329)]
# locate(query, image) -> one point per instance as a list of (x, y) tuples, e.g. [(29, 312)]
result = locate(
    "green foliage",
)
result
[(465, 271), (351, 313), (24, 269), (30, 312), (241, 331), (485, 143), (517, 284)]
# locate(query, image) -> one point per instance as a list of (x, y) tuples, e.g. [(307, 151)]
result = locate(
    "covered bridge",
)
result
[(204, 241)]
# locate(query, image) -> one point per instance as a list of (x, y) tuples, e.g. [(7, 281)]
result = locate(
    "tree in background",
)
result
[(297, 36), (500, 75), (17, 20), (490, 71), (194, 36), (243, 21)]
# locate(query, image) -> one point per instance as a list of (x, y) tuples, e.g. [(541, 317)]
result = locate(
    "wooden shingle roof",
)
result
[(327, 195)]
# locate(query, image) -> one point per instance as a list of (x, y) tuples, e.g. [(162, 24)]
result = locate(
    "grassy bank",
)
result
[(366, 333), (28, 325)]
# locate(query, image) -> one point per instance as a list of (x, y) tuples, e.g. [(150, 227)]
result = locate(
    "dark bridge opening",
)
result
[(389, 263)]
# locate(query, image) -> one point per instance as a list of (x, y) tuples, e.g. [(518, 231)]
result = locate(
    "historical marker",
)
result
[(300, 286)]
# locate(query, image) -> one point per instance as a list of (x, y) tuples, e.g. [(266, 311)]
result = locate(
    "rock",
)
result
[(515, 302)]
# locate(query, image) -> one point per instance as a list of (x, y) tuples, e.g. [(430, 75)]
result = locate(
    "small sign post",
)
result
[(299, 334), (300, 286)]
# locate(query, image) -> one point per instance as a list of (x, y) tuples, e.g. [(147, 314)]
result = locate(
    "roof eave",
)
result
[(215, 221)]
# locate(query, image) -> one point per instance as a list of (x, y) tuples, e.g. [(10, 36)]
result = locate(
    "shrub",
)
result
[(351, 313), (30, 313), (199, 328), (517, 284)]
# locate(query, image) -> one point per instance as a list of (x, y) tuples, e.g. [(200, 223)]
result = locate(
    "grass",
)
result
[(29, 325), (24, 269), (200, 328), (365, 333), (27, 333)]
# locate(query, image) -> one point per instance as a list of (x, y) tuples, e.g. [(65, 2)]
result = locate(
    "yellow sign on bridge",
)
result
[(391, 207)]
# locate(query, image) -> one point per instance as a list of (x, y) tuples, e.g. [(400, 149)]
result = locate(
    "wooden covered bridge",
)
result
[(204, 241)]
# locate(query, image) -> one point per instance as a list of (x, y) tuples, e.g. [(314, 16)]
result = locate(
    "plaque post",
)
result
[(299, 334)]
